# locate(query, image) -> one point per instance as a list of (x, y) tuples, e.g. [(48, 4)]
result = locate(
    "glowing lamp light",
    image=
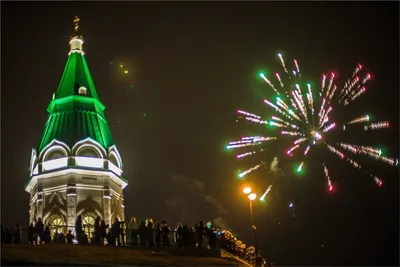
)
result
[(330, 188), (262, 75), (121, 66), (247, 190), (126, 71), (291, 205), (252, 196)]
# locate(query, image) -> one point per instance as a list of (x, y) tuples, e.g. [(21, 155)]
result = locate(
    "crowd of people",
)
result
[(135, 233)]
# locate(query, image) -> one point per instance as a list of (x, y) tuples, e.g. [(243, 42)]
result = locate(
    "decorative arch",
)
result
[(55, 152), (113, 157), (91, 211), (88, 150), (54, 145), (55, 210), (89, 143), (114, 151)]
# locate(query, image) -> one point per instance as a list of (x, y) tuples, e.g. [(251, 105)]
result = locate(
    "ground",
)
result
[(52, 254)]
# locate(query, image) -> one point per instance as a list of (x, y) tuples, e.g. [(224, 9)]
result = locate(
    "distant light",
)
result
[(144, 114), (125, 71), (252, 196), (121, 66), (132, 86), (247, 190), (291, 205)]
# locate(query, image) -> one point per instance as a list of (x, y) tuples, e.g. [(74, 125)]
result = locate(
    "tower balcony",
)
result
[(86, 157), (77, 163)]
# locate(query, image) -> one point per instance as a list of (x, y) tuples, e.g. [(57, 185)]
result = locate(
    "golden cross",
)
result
[(76, 24)]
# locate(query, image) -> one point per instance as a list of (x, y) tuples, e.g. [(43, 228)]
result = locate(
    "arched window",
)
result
[(88, 151), (55, 154), (88, 224), (56, 223)]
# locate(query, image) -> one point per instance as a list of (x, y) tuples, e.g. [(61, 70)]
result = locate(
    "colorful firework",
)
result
[(304, 117)]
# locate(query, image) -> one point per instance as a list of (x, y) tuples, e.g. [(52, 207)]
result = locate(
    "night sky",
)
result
[(192, 64)]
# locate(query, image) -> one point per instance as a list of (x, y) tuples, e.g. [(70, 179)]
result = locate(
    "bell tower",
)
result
[(76, 169)]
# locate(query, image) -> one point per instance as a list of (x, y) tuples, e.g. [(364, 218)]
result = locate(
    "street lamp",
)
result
[(252, 196), (247, 190)]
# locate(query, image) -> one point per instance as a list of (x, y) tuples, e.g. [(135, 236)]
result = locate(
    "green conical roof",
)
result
[(75, 114), (76, 74)]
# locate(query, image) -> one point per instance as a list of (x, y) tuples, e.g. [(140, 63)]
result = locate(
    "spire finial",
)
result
[(76, 34), (76, 38)]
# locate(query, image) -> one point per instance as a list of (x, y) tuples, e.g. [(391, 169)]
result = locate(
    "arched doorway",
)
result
[(88, 224), (56, 223)]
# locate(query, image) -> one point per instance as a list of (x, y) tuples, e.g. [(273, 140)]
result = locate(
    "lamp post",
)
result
[(252, 196)]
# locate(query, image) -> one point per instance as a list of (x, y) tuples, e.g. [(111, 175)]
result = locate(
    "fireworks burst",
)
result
[(304, 117)]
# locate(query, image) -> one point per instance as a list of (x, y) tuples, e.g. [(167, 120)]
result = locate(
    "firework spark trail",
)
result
[(359, 119), (269, 83), (292, 149), (329, 127), (298, 117), (299, 141), (256, 120), (369, 151), (297, 67), (377, 125), (328, 179), (279, 79), (283, 62), (247, 142), (266, 193), (248, 114), (306, 150), (330, 83), (245, 154), (300, 167), (323, 84), (356, 165), (242, 174), (331, 95)]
